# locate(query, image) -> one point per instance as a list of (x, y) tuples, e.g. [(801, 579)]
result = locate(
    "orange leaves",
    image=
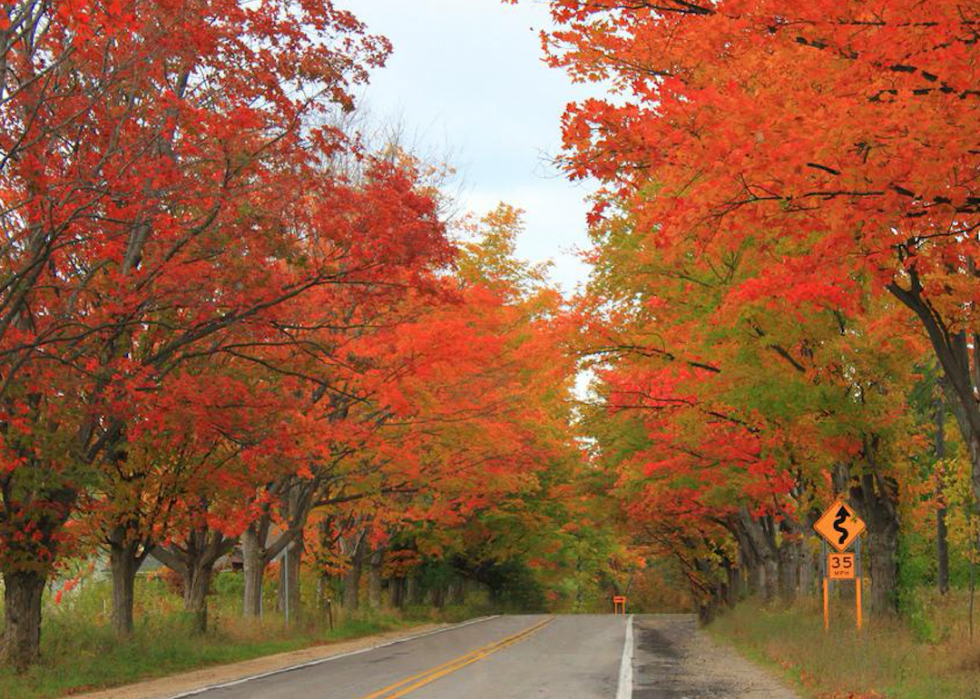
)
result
[(190, 273), (745, 121), (771, 172), (473, 381)]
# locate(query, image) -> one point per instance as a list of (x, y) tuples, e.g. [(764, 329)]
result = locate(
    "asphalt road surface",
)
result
[(508, 657), (525, 657)]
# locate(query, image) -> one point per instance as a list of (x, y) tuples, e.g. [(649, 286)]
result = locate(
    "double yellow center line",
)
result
[(410, 684)]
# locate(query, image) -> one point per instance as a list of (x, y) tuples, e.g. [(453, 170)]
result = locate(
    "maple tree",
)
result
[(226, 321), (803, 159), (743, 422), (478, 446), (418, 392), (837, 135), (157, 168), (250, 319), (190, 459)]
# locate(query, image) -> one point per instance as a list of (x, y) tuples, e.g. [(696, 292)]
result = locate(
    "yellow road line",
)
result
[(442, 673), (399, 689)]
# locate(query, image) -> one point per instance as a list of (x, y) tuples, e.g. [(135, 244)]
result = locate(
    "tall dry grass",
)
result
[(926, 655)]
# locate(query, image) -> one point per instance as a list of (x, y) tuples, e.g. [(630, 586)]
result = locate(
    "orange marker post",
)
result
[(826, 607), (619, 602), (858, 586), (857, 597)]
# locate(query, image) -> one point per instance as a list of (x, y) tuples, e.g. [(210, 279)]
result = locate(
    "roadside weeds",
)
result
[(884, 661)]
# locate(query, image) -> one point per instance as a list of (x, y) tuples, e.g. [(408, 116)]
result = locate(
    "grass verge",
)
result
[(889, 659)]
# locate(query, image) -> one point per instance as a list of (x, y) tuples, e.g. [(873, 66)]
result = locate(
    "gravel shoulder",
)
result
[(673, 659), (165, 687)]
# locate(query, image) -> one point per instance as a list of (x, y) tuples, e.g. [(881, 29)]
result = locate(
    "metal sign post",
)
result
[(840, 527), (857, 582), (826, 585)]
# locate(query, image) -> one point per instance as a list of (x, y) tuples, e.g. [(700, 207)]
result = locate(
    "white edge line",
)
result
[(321, 661), (625, 688)]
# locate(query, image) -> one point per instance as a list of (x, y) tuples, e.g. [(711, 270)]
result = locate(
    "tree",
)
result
[(151, 171), (741, 416), (477, 439), (835, 134)]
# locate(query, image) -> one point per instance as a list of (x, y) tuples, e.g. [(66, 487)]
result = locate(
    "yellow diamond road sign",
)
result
[(840, 526)]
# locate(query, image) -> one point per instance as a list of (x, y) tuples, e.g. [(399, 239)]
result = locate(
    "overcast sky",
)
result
[(467, 79)]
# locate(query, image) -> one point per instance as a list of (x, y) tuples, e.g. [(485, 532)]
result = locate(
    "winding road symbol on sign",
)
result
[(841, 518), (840, 526)]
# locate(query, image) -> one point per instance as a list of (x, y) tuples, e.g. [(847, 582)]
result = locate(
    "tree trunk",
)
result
[(757, 542), (289, 587), (875, 497), (352, 583), (883, 546), (942, 552), (457, 592), (755, 579), (125, 562), (733, 584), (879, 509), (396, 593), (22, 618), (788, 571), (197, 584), (195, 562), (413, 590), (706, 592), (706, 612), (942, 542), (254, 564), (375, 581), (808, 569), (770, 585)]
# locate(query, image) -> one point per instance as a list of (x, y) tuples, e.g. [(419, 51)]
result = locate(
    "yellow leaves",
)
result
[(962, 522)]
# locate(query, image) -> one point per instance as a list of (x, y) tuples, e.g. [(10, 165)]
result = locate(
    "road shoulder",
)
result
[(675, 658)]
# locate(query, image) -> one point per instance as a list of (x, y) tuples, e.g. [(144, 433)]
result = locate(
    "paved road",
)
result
[(509, 657), (529, 657)]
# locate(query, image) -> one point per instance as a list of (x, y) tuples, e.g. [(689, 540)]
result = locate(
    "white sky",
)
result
[(466, 77)]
